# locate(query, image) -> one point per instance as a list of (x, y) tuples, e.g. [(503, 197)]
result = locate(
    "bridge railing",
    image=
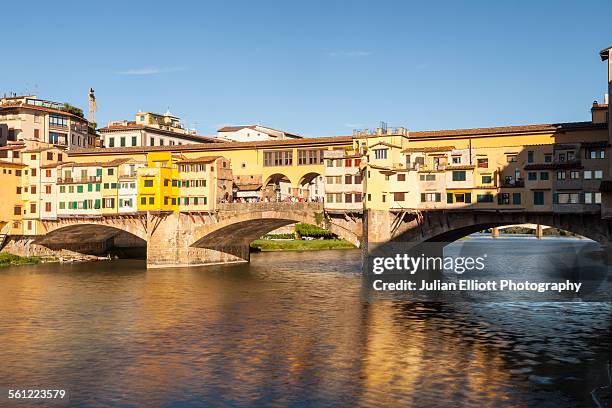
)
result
[(270, 206)]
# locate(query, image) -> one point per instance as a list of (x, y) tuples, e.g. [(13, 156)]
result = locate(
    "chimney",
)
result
[(606, 55)]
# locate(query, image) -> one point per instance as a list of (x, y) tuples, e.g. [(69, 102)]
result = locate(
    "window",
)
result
[(401, 177), (384, 198), (483, 163), (566, 198), (79, 189), (348, 198), (49, 155), (449, 198), (152, 142), (459, 176), (33, 172), (561, 157), (110, 172), (456, 160), (380, 154), (48, 173), (548, 158), (588, 174), (532, 175), (143, 200), (574, 175), (33, 208), (348, 179), (543, 175), (357, 197), (58, 120), (571, 156), (151, 200), (62, 205), (313, 157), (47, 189), (134, 142), (538, 198), (484, 198), (516, 198), (17, 210), (598, 174), (11, 135), (596, 154), (47, 207), (111, 142), (461, 197), (503, 198), (510, 158), (427, 177), (530, 156), (278, 158), (487, 179), (357, 178), (431, 197), (399, 196), (588, 198), (122, 141), (33, 190), (560, 175)]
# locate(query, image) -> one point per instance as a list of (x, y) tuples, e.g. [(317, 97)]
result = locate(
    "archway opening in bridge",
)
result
[(94, 239), (277, 188), (272, 234), (311, 187)]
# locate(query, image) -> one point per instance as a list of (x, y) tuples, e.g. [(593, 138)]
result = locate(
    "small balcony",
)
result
[(518, 183)]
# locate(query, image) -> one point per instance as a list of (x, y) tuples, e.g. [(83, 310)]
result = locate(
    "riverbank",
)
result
[(266, 245), (7, 259)]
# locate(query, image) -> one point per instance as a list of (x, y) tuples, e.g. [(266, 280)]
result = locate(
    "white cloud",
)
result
[(149, 71), (346, 53)]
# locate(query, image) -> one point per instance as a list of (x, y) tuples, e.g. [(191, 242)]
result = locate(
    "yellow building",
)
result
[(158, 188), (11, 206)]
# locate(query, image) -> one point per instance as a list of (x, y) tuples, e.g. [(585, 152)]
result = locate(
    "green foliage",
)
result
[(300, 245), (278, 236), (309, 230), (72, 109), (10, 259)]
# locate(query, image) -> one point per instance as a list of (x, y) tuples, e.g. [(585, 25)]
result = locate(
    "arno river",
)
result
[(291, 329)]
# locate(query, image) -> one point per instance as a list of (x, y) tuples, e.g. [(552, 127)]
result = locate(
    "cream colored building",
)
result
[(253, 133), (27, 118), (150, 129)]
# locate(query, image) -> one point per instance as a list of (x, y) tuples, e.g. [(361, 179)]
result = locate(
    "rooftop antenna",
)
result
[(93, 107), (383, 127)]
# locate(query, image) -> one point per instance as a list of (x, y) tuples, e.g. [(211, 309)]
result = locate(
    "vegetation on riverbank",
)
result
[(299, 244), (10, 259), (548, 232)]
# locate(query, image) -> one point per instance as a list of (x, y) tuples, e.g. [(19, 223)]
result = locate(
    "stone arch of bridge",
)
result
[(92, 238), (243, 229), (441, 226)]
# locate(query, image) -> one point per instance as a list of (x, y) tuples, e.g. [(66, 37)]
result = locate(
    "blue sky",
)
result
[(314, 67)]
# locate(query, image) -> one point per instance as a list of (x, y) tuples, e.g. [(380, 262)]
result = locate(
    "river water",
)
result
[(289, 329)]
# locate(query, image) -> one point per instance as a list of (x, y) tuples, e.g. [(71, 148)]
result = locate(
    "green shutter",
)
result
[(84, 204), (79, 189), (99, 172), (90, 187), (98, 187), (438, 197), (449, 198), (97, 203), (468, 197), (423, 197)]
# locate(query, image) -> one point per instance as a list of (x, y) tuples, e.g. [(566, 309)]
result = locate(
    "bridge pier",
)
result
[(169, 244)]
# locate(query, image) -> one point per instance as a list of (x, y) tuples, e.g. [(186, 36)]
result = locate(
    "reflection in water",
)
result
[(288, 328)]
